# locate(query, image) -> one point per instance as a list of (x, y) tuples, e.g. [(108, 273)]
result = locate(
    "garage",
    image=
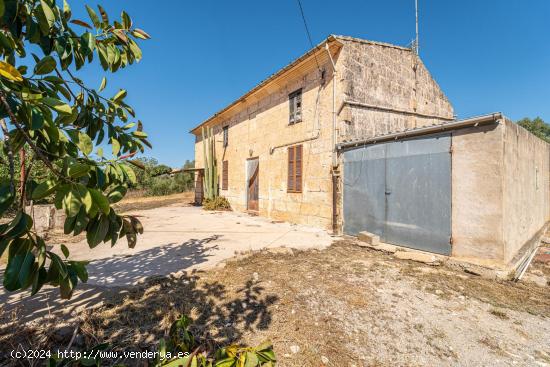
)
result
[(401, 191)]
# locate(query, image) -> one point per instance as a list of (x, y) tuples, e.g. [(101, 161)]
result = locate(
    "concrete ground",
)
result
[(176, 238)]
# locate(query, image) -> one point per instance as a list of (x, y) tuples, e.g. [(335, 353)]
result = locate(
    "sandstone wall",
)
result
[(261, 126), (392, 91)]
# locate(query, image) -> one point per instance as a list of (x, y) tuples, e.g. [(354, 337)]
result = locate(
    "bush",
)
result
[(218, 203), (154, 179), (196, 353)]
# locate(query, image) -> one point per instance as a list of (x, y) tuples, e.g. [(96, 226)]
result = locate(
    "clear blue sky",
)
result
[(487, 55)]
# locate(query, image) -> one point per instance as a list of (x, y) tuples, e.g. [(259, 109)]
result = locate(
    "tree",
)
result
[(51, 113), (537, 126)]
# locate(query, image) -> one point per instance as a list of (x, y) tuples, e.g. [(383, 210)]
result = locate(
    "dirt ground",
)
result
[(341, 306)]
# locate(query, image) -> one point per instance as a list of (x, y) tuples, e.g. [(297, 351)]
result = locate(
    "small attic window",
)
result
[(295, 107), (225, 136)]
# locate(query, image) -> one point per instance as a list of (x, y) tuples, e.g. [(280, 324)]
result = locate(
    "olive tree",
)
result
[(47, 110)]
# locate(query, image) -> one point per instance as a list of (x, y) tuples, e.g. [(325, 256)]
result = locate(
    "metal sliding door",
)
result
[(401, 190)]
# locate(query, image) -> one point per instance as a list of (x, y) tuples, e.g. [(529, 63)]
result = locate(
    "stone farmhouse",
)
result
[(357, 136)]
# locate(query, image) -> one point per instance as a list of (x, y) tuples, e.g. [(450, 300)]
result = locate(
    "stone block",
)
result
[(369, 238), (422, 257)]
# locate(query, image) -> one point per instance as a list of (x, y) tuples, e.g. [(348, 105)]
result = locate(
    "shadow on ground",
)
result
[(135, 318), (109, 277)]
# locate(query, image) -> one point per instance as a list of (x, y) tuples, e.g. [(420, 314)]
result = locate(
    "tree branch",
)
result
[(26, 135)]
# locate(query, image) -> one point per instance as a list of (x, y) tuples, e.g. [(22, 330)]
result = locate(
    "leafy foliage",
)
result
[(48, 111), (537, 126), (182, 349), (218, 203)]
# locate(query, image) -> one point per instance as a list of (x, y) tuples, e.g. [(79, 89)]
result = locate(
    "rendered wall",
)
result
[(477, 194), (526, 187)]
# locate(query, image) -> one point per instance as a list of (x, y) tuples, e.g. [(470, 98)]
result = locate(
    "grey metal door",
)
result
[(401, 191)]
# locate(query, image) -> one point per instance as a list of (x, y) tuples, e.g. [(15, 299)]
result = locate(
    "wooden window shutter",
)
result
[(290, 187), (298, 168), (225, 175), (295, 169)]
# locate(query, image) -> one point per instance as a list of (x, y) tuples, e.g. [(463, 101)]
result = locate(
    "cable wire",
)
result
[(307, 32)]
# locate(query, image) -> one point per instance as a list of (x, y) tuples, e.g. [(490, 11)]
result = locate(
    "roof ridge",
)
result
[(377, 43)]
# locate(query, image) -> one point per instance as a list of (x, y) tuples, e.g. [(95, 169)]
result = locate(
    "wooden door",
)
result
[(253, 185)]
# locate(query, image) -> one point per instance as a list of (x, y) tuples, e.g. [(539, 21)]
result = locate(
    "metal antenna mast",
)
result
[(417, 46)]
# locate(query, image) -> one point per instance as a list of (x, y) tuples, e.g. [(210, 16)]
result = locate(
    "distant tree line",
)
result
[(537, 126), (155, 179)]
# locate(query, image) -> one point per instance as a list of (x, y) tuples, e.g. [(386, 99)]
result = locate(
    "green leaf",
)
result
[(251, 360), (139, 33), (80, 269), (45, 66), (97, 231), (139, 134), (100, 200), (116, 194), (58, 264), (37, 118), (6, 197), (88, 42), (48, 13), (44, 189), (116, 146), (129, 172), (78, 170), (85, 143), (65, 251), (126, 21), (103, 84), (58, 105), (18, 271), (72, 203), (119, 96), (9, 72), (93, 17)]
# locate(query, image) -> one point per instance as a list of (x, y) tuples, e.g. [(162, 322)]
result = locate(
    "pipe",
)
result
[(475, 121), (391, 109), (334, 150), (526, 264), (334, 160)]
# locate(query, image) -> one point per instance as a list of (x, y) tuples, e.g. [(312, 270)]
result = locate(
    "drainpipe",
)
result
[(333, 171), (334, 160)]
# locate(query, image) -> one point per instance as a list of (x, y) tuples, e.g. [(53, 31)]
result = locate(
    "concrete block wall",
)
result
[(500, 192), (477, 194), (526, 188)]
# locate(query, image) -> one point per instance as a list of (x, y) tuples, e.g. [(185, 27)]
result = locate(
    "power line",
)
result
[(307, 32)]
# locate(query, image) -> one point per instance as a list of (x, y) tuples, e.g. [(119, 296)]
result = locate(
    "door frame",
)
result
[(257, 158)]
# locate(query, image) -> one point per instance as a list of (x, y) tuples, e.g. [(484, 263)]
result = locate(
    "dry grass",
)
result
[(151, 202), (523, 297), (311, 299)]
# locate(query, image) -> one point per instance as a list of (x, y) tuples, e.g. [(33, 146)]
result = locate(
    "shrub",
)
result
[(218, 203), (195, 353)]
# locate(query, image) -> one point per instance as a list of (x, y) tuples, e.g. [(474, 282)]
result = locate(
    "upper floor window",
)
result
[(225, 136), (295, 104)]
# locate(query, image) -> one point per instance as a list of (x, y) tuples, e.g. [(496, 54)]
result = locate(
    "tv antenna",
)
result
[(416, 45)]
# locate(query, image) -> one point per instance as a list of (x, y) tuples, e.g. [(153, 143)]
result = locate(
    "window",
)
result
[(295, 169), (225, 136), (295, 107), (225, 175)]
